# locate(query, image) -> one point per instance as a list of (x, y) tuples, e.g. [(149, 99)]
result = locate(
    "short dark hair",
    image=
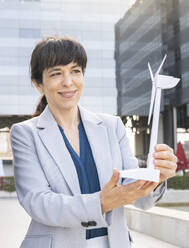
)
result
[(54, 51)]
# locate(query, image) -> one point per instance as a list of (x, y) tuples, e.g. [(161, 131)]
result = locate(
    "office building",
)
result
[(145, 33), (24, 22)]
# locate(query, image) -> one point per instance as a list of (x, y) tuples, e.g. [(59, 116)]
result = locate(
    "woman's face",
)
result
[(62, 85)]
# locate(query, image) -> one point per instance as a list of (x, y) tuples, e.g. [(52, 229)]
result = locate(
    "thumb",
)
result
[(114, 179)]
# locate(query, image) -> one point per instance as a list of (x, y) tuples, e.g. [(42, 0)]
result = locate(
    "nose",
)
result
[(67, 80)]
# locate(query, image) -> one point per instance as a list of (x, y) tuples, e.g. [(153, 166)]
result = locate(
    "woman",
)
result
[(64, 158)]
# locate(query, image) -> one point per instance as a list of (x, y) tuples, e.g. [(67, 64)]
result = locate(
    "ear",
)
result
[(38, 86)]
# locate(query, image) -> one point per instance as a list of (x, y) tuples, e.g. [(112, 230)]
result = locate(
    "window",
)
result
[(29, 33), (25, 1)]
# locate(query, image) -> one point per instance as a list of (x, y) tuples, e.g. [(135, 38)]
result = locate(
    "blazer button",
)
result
[(84, 224), (92, 223)]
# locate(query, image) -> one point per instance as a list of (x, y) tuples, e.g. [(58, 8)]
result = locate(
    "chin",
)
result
[(68, 106)]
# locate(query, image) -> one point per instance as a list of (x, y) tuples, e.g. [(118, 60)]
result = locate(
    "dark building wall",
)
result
[(171, 46), (138, 40), (146, 32), (175, 42)]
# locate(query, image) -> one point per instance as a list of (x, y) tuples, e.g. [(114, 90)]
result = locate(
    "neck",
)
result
[(67, 118)]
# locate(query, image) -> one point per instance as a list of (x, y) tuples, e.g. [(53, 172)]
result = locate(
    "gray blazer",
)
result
[(47, 184)]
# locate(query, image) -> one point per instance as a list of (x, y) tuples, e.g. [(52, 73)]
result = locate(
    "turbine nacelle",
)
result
[(166, 82)]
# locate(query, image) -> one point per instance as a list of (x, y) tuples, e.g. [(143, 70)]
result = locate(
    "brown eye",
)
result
[(55, 74), (76, 71)]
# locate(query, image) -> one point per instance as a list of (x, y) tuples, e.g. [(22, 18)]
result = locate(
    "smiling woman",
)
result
[(64, 158), (62, 86), (57, 70)]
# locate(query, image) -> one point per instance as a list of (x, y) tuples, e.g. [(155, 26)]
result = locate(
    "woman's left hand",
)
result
[(165, 161)]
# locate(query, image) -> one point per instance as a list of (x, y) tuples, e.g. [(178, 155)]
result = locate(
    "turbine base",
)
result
[(141, 174)]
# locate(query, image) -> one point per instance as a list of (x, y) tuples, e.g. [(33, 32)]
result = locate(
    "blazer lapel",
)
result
[(53, 140), (98, 140), (100, 145)]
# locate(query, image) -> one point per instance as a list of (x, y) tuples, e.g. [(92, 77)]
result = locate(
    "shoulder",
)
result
[(112, 122), (108, 119), (99, 118), (24, 126), (22, 135)]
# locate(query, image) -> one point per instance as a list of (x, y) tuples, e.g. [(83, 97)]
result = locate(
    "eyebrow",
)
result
[(54, 69), (58, 69)]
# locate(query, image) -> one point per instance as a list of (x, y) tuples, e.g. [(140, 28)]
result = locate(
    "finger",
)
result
[(162, 155), (134, 186), (147, 183), (114, 179), (166, 173), (165, 155), (165, 164), (163, 147), (150, 186)]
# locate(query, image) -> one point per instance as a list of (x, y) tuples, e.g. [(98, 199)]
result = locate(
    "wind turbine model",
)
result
[(159, 82)]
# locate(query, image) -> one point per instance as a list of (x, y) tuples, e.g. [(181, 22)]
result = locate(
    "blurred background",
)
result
[(120, 37)]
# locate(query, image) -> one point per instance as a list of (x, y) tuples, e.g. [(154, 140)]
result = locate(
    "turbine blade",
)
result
[(159, 69), (152, 94), (151, 74), (152, 103)]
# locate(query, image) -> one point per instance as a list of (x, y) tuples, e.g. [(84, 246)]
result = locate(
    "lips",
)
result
[(67, 94)]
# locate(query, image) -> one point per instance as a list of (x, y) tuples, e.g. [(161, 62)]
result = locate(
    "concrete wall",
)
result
[(165, 224), (175, 197)]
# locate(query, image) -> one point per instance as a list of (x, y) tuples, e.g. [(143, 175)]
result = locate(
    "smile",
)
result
[(68, 94)]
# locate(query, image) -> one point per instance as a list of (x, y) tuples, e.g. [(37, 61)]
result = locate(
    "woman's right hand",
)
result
[(114, 196)]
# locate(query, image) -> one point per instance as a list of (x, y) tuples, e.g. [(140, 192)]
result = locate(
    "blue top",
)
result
[(86, 171)]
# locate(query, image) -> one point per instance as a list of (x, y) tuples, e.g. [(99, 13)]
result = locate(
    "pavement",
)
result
[(144, 241), (14, 222)]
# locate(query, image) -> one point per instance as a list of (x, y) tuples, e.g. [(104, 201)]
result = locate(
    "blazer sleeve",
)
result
[(130, 162), (36, 196)]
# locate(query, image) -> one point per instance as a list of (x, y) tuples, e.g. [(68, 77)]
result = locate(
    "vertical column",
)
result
[(170, 126), (175, 128)]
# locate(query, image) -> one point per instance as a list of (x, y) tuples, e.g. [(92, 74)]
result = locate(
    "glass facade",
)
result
[(175, 42), (146, 32), (138, 40), (24, 22)]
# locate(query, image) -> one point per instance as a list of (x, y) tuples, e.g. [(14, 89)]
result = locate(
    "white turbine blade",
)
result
[(152, 95), (151, 74), (152, 102), (159, 69), (166, 82)]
